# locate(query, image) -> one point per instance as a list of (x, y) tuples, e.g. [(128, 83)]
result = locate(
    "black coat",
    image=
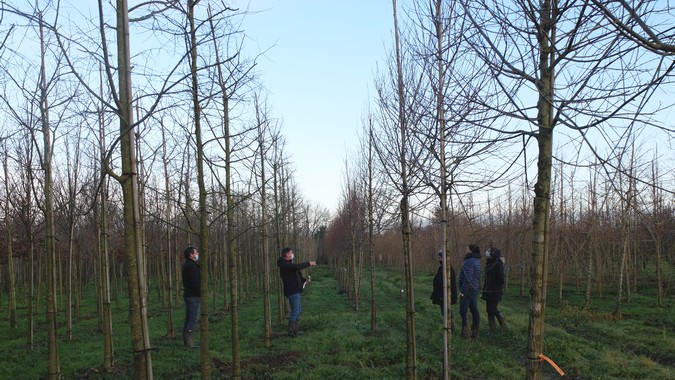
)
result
[(493, 287), (437, 294), (290, 276), (192, 279)]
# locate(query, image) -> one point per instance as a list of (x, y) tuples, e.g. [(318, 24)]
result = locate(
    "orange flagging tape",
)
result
[(543, 357)]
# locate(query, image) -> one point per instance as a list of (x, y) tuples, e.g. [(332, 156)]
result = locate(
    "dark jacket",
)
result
[(469, 274), (291, 276), (437, 294), (192, 278), (493, 286)]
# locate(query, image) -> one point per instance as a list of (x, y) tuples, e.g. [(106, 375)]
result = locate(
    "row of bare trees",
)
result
[(196, 158), (467, 109), (467, 106)]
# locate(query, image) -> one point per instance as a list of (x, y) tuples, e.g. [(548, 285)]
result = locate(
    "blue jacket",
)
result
[(469, 275)]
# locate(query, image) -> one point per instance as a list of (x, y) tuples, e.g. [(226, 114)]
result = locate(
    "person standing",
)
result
[(437, 293), (293, 283), (469, 284), (191, 274), (493, 287)]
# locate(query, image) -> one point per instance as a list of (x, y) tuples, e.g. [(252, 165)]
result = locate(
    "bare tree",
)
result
[(104, 254), (264, 128), (655, 224), (10, 238), (137, 286), (397, 156), (53, 365), (572, 90)]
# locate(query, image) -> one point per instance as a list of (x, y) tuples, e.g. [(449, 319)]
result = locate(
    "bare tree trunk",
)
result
[(371, 225), (104, 278), (626, 206), (443, 187), (28, 221), (138, 318), (281, 303), (542, 190), (169, 246), (203, 212), (267, 314), (10, 248), (31, 292), (411, 345), (73, 176), (657, 222), (592, 238), (231, 254), (103, 252), (53, 366)]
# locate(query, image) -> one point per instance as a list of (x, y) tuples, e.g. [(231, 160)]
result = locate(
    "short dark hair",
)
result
[(285, 250), (474, 249), (188, 251)]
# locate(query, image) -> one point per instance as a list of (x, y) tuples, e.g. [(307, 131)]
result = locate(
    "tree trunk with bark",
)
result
[(133, 237), (53, 365)]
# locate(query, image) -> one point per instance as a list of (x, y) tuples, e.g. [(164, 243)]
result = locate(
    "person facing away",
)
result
[(293, 283), (437, 293), (493, 287), (191, 274), (469, 286)]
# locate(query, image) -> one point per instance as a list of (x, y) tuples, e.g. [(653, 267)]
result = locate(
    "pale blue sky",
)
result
[(320, 76)]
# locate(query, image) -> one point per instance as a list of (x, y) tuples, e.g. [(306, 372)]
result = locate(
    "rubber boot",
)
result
[(474, 332), (493, 324), (296, 328), (291, 329), (190, 339), (502, 321), (465, 332)]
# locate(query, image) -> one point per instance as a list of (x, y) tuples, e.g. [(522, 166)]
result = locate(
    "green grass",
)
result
[(337, 342)]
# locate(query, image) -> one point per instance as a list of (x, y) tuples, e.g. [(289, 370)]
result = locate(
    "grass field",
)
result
[(337, 343)]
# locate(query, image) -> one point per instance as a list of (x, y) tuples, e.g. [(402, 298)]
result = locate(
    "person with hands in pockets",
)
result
[(469, 287)]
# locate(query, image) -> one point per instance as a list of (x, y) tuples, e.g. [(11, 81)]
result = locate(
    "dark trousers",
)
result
[(192, 308), (491, 307)]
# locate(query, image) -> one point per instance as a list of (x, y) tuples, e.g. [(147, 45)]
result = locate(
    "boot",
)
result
[(296, 328), (184, 337), (465, 331), (502, 321), (474, 332), (190, 339), (291, 329), (493, 324)]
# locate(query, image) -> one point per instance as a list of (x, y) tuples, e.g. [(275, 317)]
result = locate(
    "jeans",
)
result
[(192, 307), (470, 302), (296, 307)]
